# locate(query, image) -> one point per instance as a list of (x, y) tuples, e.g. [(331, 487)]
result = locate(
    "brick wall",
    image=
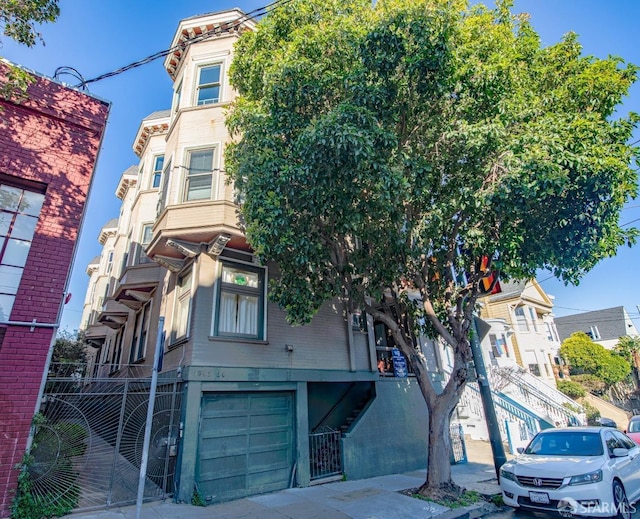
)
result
[(49, 142)]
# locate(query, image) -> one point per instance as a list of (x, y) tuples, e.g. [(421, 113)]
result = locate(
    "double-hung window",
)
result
[(145, 239), (240, 304), (182, 306), (209, 84), (158, 162), (199, 181), (19, 212), (140, 333)]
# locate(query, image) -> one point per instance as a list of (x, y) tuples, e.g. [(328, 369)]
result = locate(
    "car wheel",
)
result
[(621, 503)]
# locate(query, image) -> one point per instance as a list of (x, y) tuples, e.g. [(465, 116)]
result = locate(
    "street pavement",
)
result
[(373, 498)]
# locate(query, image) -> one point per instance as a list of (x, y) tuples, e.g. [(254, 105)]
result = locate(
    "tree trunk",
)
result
[(439, 483)]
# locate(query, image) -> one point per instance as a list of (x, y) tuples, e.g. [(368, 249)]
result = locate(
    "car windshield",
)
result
[(566, 444), (634, 426)]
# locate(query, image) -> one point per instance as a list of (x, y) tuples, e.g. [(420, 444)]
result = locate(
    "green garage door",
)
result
[(246, 444)]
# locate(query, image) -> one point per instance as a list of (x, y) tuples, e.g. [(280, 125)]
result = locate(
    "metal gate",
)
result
[(325, 454), (458, 447), (87, 447)]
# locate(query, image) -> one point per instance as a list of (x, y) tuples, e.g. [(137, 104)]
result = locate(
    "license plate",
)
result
[(539, 497)]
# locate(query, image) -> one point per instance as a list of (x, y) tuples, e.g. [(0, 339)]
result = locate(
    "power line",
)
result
[(225, 28)]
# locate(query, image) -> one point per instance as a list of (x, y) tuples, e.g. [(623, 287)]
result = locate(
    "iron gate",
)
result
[(325, 453), (88, 441), (458, 448)]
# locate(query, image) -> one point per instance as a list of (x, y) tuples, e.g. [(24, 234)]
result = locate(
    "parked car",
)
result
[(633, 429), (585, 471), (607, 422)]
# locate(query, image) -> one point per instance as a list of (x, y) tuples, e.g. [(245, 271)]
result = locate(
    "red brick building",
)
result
[(49, 144)]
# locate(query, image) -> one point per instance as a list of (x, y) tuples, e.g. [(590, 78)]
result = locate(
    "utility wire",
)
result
[(227, 27)]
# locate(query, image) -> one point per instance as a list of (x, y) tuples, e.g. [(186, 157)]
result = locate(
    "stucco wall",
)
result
[(391, 437)]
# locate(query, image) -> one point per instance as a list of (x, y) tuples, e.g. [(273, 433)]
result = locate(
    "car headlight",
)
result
[(507, 474), (583, 479)]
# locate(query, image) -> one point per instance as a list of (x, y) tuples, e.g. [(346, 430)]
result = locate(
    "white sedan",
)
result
[(582, 471)]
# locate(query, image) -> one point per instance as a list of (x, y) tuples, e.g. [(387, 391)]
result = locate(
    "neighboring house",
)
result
[(49, 145), (528, 311), (520, 346), (254, 388), (603, 326)]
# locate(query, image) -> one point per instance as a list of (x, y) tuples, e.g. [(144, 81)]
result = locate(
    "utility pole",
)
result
[(497, 447)]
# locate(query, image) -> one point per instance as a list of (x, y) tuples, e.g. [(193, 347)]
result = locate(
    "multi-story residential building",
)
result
[(603, 326), (49, 144), (528, 311), (257, 393)]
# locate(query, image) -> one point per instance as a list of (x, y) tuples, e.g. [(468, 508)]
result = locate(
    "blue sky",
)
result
[(95, 37)]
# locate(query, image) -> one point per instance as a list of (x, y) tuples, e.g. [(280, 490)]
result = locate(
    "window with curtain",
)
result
[(19, 212), (240, 305), (199, 181)]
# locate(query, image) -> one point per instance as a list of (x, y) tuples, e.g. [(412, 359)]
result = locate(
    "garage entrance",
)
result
[(246, 444)]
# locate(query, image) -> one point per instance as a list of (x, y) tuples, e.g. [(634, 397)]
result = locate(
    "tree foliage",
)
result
[(383, 150), (19, 18), (586, 356), (571, 389)]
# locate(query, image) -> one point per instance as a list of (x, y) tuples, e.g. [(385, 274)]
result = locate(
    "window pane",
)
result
[(16, 253), (200, 162), (31, 203), (209, 75), (158, 163), (240, 277), (9, 198), (199, 188), (10, 279), (209, 94), (24, 227), (6, 304), (5, 222), (147, 234)]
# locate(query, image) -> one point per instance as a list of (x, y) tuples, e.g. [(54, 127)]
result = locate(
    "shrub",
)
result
[(571, 389)]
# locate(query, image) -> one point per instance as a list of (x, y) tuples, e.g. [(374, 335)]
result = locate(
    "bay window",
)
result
[(199, 180)]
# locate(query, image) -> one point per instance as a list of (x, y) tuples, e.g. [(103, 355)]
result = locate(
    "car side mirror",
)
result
[(619, 452), (520, 450)]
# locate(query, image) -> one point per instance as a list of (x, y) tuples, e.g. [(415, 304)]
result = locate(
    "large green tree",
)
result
[(382, 150), (591, 358)]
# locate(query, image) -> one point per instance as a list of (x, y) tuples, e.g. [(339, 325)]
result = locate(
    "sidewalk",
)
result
[(374, 498)]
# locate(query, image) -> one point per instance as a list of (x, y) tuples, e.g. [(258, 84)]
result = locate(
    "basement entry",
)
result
[(246, 444)]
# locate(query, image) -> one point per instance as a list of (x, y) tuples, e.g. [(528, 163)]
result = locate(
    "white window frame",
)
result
[(260, 292), (182, 305), (199, 85), (522, 324), (141, 256), (177, 96), (140, 334), (155, 172), (189, 176)]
